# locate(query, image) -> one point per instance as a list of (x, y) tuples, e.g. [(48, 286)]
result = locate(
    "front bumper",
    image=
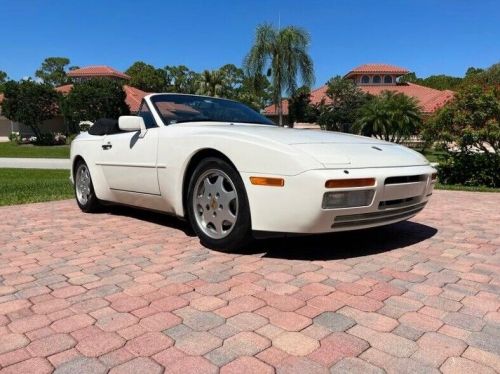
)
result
[(297, 207)]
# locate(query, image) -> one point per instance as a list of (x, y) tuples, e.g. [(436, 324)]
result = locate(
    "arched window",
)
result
[(377, 79), (365, 79), (388, 79)]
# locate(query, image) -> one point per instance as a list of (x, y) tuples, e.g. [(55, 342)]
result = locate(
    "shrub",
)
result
[(390, 116), (15, 137), (339, 111), (30, 103), (59, 139), (468, 129), (43, 139), (93, 99), (470, 169)]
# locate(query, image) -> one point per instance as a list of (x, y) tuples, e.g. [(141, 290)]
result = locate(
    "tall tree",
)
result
[(390, 116), (233, 79), (211, 83), (299, 106), (146, 77), (30, 103), (93, 99), (489, 77), (3, 79), (180, 79), (255, 91), (283, 54), (439, 82), (53, 71), (345, 98)]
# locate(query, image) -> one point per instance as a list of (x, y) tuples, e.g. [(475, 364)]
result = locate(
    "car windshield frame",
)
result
[(195, 108)]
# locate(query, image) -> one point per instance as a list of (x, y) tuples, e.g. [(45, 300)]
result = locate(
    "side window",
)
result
[(147, 116)]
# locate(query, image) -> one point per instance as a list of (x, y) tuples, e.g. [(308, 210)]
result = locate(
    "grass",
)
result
[(460, 187), (434, 156), (9, 149), (21, 186)]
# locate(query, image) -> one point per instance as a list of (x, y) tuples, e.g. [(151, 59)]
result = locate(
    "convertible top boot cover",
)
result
[(104, 126)]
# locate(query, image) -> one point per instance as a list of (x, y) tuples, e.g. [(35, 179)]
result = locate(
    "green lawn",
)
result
[(459, 187), (20, 186), (433, 155), (9, 149)]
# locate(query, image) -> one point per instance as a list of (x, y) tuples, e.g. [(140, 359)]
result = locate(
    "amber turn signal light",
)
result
[(265, 181), (434, 176), (346, 183)]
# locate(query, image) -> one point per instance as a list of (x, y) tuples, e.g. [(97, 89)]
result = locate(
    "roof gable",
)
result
[(377, 69), (97, 71)]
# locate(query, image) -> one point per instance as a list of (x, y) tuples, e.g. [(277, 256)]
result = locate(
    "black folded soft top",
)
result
[(105, 126)]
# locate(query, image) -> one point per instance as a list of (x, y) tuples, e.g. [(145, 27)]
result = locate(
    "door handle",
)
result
[(107, 146)]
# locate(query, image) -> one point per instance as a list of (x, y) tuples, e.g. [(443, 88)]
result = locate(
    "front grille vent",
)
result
[(406, 179), (399, 202), (365, 219)]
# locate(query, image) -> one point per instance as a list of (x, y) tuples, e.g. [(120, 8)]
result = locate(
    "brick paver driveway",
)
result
[(131, 292)]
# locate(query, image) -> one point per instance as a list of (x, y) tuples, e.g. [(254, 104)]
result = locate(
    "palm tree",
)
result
[(390, 116), (211, 83), (282, 54)]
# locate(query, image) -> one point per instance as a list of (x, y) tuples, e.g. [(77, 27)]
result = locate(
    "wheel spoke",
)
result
[(226, 198), (207, 186), (227, 216)]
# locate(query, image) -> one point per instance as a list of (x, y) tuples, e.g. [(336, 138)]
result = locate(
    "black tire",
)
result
[(241, 232), (91, 204)]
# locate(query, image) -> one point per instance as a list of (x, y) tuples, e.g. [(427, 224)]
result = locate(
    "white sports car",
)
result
[(234, 174)]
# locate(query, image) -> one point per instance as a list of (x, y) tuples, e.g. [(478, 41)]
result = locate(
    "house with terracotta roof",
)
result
[(133, 95), (374, 79), (133, 99)]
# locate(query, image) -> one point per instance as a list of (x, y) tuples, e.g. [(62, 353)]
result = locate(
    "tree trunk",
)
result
[(280, 111)]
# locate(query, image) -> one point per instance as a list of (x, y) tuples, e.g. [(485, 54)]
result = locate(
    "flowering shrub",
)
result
[(43, 139), (59, 139), (15, 137)]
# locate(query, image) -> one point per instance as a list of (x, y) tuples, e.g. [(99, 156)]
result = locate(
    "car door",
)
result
[(128, 161)]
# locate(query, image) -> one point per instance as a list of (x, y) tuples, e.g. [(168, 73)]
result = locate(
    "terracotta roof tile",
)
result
[(134, 97), (64, 89), (97, 71), (379, 68), (428, 98)]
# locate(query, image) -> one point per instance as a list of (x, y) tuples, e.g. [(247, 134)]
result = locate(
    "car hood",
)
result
[(332, 149)]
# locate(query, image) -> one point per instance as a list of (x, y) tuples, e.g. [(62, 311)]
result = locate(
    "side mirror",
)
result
[(132, 123)]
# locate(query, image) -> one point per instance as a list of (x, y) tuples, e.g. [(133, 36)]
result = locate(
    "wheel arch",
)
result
[(196, 158), (76, 160)]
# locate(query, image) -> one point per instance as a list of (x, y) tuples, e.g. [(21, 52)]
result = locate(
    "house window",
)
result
[(377, 79), (365, 79), (388, 79)]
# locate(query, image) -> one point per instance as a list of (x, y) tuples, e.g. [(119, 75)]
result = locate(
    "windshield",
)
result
[(190, 108)]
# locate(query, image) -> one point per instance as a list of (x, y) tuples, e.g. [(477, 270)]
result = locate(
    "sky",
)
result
[(425, 36)]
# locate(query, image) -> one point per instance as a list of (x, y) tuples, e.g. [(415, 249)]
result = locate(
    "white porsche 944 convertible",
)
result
[(233, 174)]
